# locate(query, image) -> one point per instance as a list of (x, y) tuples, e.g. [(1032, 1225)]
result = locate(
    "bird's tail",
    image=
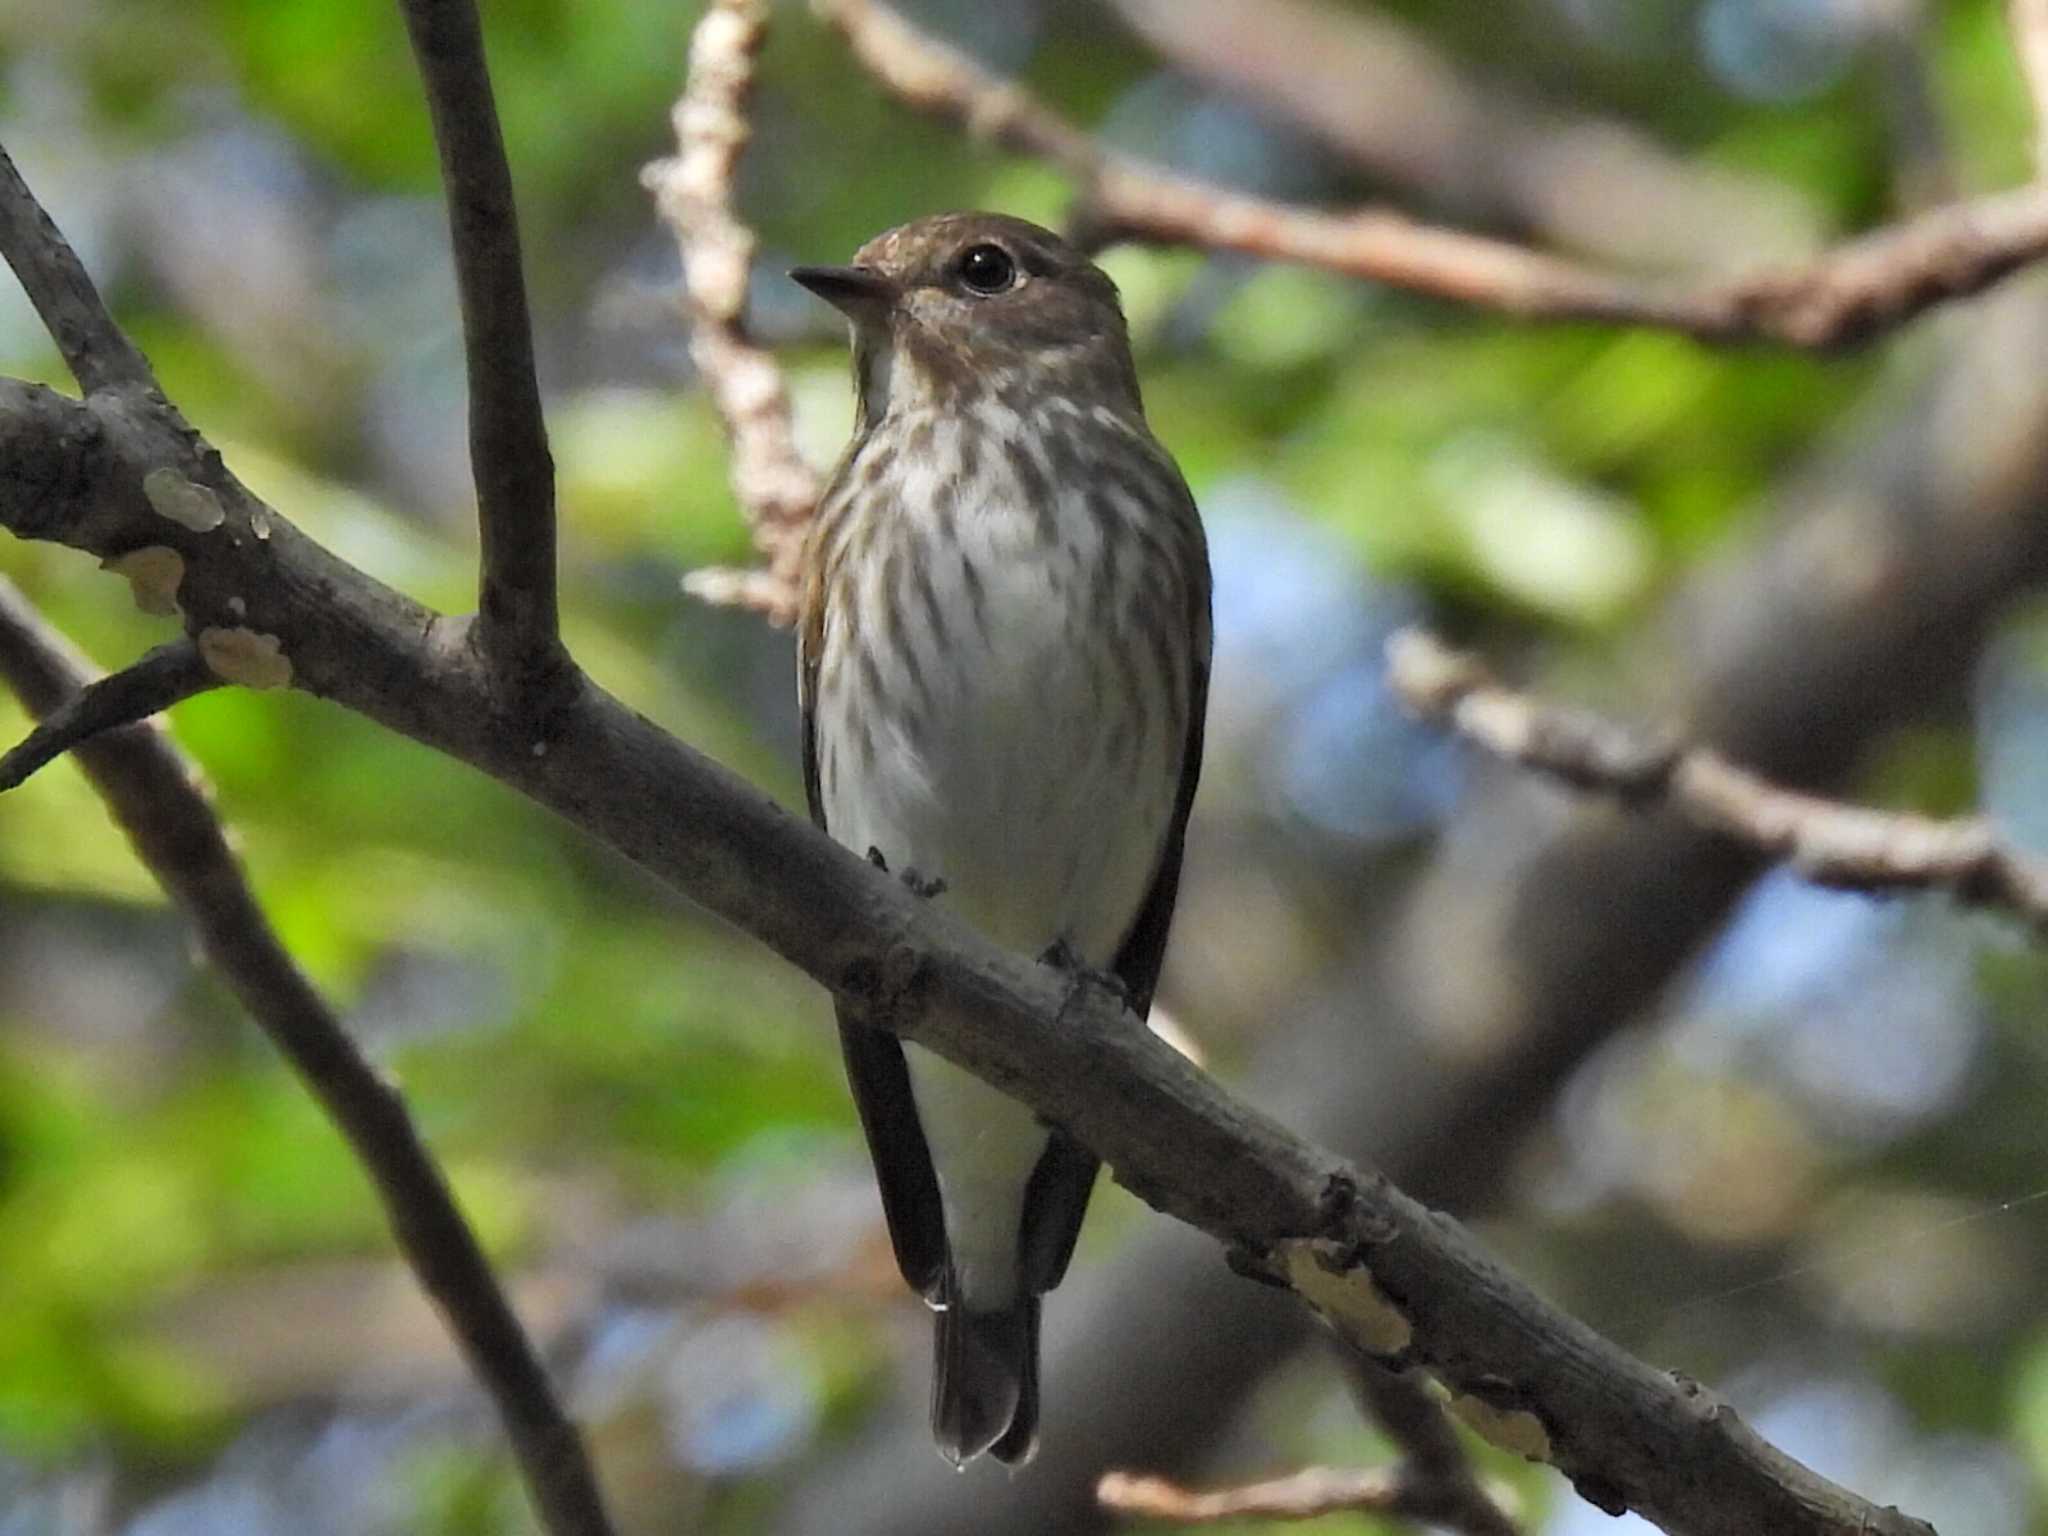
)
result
[(985, 1380)]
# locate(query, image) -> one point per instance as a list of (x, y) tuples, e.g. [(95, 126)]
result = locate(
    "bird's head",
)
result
[(962, 304)]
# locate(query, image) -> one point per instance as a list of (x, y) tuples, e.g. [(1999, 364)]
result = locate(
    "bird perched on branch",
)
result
[(1003, 663)]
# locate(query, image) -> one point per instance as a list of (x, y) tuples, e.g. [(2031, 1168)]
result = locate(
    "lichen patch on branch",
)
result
[(185, 502), (154, 572), (1344, 1291), (243, 656)]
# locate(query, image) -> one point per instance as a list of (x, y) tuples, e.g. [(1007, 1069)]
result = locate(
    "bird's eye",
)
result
[(987, 269)]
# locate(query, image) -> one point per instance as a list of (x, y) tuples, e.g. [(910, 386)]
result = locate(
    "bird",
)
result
[(1003, 666)]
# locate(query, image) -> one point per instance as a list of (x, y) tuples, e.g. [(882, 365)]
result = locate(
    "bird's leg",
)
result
[(1061, 955), (915, 883)]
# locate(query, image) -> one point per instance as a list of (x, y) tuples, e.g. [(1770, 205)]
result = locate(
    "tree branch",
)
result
[(162, 678), (517, 629), (1857, 290), (1305, 1495), (776, 489), (1432, 1484), (1824, 840), (160, 802), (1396, 1280), (95, 349)]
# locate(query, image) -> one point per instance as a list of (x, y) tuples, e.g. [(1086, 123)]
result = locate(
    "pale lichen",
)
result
[(245, 657), (1512, 1429), (184, 502), (154, 574), (1344, 1291)]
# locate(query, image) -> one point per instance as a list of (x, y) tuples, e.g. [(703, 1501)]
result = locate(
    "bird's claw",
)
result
[(915, 883), (1061, 955)]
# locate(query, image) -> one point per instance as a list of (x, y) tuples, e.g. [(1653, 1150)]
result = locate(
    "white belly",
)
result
[(1006, 759)]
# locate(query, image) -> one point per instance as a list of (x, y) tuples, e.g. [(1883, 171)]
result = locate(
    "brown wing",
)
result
[(1057, 1200), (874, 1061)]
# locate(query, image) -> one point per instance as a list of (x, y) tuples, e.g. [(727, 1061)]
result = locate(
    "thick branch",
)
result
[(1395, 1279), (775, 487), (1855, 291), (95, 349), (157, 797), (162, 678), (1825, 840), (508, 446)]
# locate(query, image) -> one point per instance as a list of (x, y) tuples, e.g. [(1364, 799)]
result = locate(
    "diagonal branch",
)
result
[(776, 489), (1396, 1280), (518, 629), (95, 349), (159, 800), (1825, 840), (1855, 291), (162, 678)]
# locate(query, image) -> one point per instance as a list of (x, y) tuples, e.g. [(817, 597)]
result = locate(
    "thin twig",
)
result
[(1305, 1495), (1433, 1482), (518, 630), (1826, 841), (162, 678), (776, 489), (1850, 293), (95, 349), (157, 796)]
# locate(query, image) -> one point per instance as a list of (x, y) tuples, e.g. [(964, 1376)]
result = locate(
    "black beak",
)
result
[(853, 291)]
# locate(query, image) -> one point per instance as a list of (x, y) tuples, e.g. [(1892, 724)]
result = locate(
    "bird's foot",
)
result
[(913, 882), (1061, 955)]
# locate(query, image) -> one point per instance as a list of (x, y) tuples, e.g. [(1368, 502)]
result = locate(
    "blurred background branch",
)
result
[(162, 805), (1824, 840), (775, 488), (1849, 294)]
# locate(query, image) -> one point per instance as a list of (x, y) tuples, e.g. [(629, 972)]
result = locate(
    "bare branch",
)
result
[(1825, 840), (1848, 294), (1433, 1483), (161, 803), (1306, 1495), (95, 349), (777, 490), (518, 630), (162, 678)]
